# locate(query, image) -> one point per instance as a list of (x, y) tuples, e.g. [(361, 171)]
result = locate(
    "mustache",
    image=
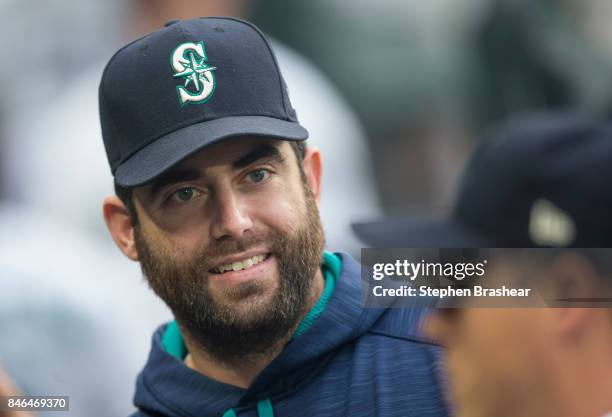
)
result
[(210, 256)]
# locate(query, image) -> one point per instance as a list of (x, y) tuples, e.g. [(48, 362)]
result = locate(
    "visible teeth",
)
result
[(240, 265)]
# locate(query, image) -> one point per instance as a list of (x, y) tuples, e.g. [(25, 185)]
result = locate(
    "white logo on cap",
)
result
[(188, 60), (550, 226)]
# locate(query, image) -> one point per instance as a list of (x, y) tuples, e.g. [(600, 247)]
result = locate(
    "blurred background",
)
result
[(395, 93)]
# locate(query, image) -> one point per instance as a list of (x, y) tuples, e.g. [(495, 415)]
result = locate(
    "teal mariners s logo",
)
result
[(188, 61)]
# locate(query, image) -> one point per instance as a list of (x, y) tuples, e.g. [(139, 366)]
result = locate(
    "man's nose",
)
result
[(231, 217)]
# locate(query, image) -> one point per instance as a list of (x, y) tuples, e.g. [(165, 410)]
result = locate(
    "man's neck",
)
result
[(242, 372)]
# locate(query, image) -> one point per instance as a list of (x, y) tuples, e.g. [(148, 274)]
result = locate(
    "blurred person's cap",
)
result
[(539, 182), (188, 85)]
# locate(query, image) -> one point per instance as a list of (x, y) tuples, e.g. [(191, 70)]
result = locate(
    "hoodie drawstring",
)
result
[(264, 409)]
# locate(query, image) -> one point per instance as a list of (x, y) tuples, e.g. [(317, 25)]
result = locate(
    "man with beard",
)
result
[(216, 197), (542, 185)]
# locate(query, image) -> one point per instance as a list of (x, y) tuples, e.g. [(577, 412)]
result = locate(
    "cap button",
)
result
[(170, 22)]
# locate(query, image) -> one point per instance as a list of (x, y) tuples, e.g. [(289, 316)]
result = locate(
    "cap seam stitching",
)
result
[(265, 40)]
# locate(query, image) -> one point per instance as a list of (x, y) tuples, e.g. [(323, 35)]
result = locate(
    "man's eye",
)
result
[(185, 194), (259, 175)]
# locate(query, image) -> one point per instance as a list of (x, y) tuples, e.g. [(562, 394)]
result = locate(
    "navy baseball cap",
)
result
[(188, 85), (539, 181)]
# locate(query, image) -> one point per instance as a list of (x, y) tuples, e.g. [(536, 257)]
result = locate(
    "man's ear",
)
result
[(313, 169), (119, 223)]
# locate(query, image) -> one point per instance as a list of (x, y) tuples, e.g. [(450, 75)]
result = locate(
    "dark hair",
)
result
[(125, 193)]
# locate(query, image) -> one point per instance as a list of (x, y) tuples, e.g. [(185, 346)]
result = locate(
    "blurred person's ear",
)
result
[(119, 223), (573, 279), (313, 170)]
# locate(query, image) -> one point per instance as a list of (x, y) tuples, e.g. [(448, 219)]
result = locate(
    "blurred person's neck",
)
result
[(150, 15)]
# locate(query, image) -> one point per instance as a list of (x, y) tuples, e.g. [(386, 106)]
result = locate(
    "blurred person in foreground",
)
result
[(542, 182), (216, 198)]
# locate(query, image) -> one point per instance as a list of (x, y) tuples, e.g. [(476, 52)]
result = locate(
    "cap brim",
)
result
[(165, 152), (419, 233)]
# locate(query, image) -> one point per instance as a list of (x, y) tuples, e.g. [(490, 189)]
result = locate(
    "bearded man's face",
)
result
[(231, 240)]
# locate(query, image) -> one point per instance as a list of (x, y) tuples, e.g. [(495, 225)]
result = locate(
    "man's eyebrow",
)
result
[(173, 177), (267, 152), (176, 176)]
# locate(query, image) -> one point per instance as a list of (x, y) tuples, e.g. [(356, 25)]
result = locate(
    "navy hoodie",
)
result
[(351, 361)]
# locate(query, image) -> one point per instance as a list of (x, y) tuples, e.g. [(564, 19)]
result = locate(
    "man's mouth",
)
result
[(240, 265)]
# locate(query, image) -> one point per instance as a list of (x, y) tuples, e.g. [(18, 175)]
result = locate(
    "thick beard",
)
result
[(219, 330)]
